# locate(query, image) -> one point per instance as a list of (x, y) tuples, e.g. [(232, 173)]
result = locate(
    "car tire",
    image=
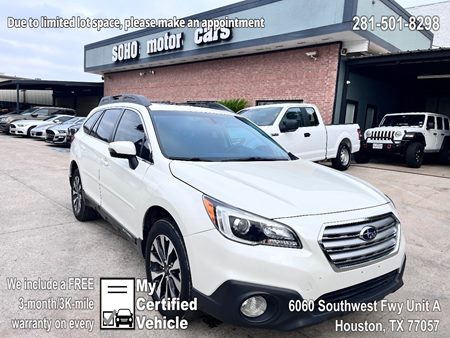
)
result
[(167, 265), (362, 157), (81, 211), (414, 155), (29, 131), (444, 154), (342, 160)]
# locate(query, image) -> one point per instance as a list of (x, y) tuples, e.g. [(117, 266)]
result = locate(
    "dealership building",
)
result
[(306, 51)]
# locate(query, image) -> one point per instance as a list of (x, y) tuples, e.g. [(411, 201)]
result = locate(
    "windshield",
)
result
[(29, 111), (124, 312), (406, 120), (198, 136), (264, 116)]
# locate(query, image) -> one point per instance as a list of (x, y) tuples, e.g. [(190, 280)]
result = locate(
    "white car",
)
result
[(409, 134), (299, 128), (25, 127), (228, 218)]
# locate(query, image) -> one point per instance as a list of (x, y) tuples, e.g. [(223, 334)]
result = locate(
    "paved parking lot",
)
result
[(40, 238)]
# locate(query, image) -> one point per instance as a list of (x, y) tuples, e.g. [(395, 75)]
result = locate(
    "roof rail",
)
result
[(130, 98)]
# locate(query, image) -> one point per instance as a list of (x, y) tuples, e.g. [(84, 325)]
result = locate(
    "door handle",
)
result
[(274, 134), (307, 134), (105, 162), (435, 134)]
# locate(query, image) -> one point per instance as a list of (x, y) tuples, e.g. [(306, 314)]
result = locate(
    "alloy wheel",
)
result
[(344, 156), (76, 194), (165, 268)]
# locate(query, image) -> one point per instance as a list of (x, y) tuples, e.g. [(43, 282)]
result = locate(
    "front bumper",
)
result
[(38, 134), (383, 147), (4, 127), (226, 301), (283, 272), (57, 138), (15, 130)]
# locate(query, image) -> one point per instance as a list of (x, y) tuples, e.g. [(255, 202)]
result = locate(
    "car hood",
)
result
[(43, 126), (279, 189), (29, 122)]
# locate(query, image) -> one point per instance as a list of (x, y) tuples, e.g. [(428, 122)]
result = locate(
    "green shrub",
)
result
[(235, 104)]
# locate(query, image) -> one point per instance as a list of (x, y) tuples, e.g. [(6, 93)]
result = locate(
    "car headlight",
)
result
[(368, 133), (21, 125), (398, 134), (244, 227)]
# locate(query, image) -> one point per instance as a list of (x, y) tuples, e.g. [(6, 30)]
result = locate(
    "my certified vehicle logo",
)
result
[(368, 233)]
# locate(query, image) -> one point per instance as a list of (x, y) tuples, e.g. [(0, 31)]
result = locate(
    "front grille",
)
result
[(39, 133), (345, 246), (382, 135), (360, 291)]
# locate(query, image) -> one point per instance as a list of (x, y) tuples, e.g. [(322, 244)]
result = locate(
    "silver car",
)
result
[(59, 134)]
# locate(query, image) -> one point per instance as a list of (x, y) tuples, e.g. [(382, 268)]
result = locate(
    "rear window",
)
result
[(439, 123), (446, 124)]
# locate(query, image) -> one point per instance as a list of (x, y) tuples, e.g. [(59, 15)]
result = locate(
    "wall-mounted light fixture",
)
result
[(313, 55), (146, 72), (436, 76)]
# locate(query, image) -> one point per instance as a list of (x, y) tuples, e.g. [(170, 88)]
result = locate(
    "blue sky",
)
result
[(57, 54)]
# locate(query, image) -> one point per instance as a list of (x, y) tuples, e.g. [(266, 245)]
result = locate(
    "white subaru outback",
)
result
[(224, 215)]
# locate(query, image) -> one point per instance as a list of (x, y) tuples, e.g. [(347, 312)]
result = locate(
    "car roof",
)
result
[(169, 107), (417, 113), (281, 105)]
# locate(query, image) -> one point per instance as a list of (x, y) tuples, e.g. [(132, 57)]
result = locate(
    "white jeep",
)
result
[(408, 134)]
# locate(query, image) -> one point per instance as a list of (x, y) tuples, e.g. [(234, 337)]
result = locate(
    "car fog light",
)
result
[(254, 306)]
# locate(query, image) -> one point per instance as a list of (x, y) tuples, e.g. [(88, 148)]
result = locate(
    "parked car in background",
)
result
[(24, 127), (410, 135), (73, 129), (39, 130), (299, 128), (35, 113), (59, 134)]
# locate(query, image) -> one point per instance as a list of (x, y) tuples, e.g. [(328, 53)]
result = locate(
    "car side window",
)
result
[(292, 114), (439, 122), (431, 124), (42, 112), (131, 129), (446, 124), (309, 117), (87, 127), (105, 128)]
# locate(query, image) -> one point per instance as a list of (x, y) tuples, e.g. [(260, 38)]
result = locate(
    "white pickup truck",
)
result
[(299, 128)]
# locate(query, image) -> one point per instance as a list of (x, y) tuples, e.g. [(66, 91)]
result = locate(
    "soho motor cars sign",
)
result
[(168, 42)]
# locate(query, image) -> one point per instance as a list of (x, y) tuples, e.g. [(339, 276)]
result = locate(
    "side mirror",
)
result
[(34, 115), (125, 150), (430, 125), (288, 126)]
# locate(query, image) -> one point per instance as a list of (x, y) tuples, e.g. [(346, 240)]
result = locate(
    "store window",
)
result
[(370, 117), (351, 111)]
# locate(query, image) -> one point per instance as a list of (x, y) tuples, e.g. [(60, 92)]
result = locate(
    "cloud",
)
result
[(58, 53)]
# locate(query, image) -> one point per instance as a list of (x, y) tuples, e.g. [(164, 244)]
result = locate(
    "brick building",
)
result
[(299, 54)]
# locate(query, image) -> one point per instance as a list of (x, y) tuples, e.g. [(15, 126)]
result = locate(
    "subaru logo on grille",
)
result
[(368, 233)]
